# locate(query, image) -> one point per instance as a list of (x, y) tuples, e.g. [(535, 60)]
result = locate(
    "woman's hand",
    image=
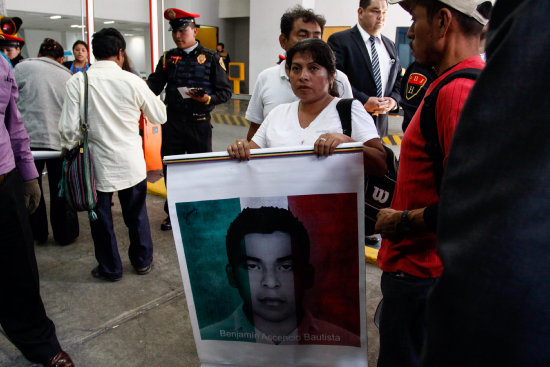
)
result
[(326, 143), (240, 149)]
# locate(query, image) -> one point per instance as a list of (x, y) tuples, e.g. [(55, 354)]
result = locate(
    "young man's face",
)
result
[(373, 18), (10, 51), (300, 31), (423, 35), (267, 276), (185, 38)]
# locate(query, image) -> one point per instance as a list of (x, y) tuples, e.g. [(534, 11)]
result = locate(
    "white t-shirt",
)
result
[(282, 128), (273, 88)]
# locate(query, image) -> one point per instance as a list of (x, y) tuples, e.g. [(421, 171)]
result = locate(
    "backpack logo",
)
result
[(415, 84), (380, 195)]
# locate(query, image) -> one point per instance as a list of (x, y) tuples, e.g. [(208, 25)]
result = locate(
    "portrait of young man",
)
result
[(262, 286)]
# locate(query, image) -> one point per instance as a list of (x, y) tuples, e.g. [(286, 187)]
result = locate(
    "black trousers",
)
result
[(63, 218), (22, 313), (134, 212), (186, 134), (402, 319)]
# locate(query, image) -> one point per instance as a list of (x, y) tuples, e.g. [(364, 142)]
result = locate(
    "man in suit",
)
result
[(378, 87)]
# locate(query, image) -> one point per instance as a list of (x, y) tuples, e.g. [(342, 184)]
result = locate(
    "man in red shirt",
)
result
[(445, 35)]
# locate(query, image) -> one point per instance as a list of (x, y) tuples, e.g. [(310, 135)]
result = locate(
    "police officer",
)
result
[(196, 81), (10, 43)]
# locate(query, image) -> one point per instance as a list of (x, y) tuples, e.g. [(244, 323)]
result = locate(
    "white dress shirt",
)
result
[(115, 98), (384, 58)]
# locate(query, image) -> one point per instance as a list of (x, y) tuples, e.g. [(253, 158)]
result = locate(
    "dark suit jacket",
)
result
[(352, 58)]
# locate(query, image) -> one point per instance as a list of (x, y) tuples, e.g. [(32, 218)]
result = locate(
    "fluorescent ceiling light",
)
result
[(55, 17), (109, 22), (77, 26), (128, 34)]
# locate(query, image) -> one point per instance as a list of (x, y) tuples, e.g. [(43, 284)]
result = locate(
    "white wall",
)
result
[(34, 38), (134, 48), (128, 10), (265, 20), (234, 8), (71, 7)]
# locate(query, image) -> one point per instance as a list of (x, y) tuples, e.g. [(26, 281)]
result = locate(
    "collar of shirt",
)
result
[(366, 36), (188, 50), (109, 64), (282, 70)]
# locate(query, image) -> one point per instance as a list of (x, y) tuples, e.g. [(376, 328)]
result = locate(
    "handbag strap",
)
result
[(84, 122)]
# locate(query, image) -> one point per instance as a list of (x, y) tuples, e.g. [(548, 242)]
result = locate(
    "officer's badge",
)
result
[(222, 64), (174, 59), (414, 85), (201, 59), (171, 13)]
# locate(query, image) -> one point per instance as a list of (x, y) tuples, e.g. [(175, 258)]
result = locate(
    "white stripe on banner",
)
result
[(271, 256)]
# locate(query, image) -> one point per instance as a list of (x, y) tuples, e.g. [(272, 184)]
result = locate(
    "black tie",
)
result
[(375, 67)]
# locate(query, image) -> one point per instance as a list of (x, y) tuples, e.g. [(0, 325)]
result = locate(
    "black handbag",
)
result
[(378, 190)]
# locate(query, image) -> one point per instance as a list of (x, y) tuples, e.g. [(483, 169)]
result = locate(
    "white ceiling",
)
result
[(41, 21)]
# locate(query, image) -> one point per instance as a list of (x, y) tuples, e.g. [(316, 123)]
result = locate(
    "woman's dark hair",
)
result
[(51, 48), (321, 53), (80, 42)]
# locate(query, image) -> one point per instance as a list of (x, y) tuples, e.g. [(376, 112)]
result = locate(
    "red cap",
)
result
[(6, 37), (173, 13), (8, 31)]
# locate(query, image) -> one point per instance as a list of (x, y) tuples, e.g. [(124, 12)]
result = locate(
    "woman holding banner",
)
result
[(314, 119)]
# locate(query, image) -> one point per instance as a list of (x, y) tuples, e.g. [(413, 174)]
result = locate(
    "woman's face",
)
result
[(80, 53), (309, 80)]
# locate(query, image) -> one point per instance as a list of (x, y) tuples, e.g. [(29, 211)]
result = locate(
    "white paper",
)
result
[(183, 92)]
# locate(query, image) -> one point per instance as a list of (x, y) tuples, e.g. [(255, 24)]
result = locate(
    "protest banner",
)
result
[(271, 257)]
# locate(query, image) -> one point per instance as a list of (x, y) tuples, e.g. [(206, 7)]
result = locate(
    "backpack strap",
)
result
[(344, 111), (428, 123)]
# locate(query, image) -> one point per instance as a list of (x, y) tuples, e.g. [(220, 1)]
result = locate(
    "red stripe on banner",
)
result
[(332, 224)]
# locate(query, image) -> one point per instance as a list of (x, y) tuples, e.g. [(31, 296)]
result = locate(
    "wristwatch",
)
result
[(405, 225)]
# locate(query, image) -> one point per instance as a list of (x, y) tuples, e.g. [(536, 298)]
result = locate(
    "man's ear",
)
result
[(282, 41), (444, 17), (230, 276)]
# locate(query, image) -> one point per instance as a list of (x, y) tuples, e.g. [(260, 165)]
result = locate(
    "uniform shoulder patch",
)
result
[(414, 84), (222, 64)]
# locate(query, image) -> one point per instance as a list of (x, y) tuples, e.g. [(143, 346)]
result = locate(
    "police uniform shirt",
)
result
[(195, 67)]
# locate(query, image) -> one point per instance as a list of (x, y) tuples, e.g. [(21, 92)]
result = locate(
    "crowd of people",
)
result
[(441, 232)]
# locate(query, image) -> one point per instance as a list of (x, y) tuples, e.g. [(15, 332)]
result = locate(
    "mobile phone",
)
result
[(199, 92)]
